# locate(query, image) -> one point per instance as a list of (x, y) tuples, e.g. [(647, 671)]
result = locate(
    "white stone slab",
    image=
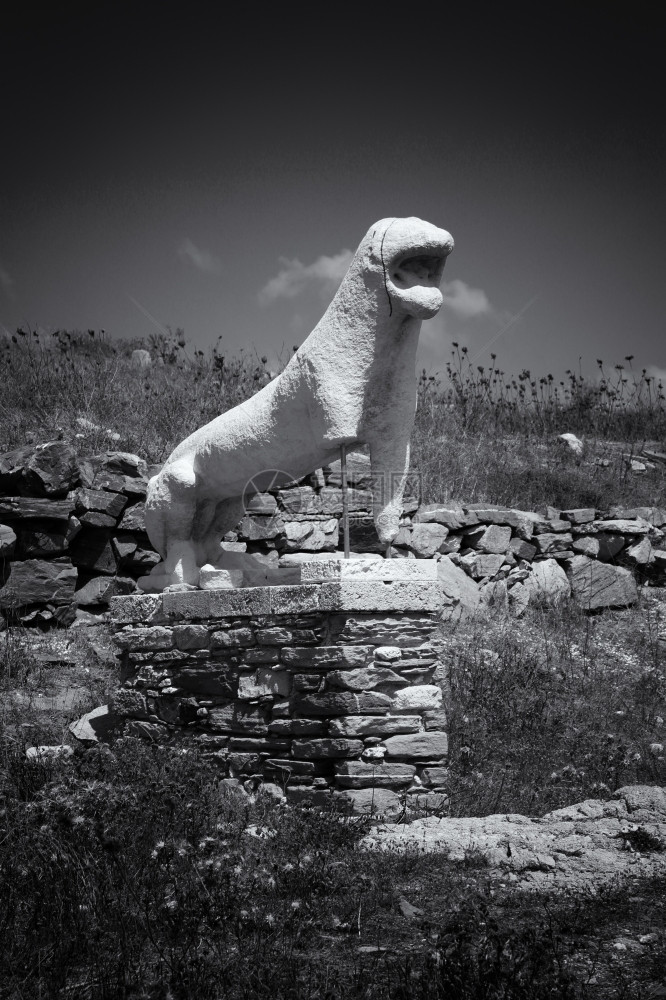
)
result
[(384, 570)]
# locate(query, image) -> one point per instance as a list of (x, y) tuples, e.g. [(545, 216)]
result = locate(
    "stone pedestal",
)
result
[(326, 689)]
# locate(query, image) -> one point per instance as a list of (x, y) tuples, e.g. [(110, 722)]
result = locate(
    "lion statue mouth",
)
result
[(413, 279)]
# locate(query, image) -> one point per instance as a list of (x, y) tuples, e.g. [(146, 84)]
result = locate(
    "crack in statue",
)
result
[(351, 383)]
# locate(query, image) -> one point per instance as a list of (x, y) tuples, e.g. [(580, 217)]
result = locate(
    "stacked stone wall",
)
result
[(72, 536), (298, 686)]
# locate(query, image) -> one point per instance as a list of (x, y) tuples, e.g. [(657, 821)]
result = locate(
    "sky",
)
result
[(180, 167)]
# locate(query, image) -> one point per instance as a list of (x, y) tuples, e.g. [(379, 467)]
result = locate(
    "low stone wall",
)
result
[(72, 536), (334, 691)]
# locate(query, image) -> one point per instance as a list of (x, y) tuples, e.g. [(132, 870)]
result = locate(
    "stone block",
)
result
[(419, 697), (547, 582), (298, 727), (289, 767), (520, 520), (371, 802), (588, 545), (7, 541), (623, 526), (551, 526), (388, 654), (641, 553), (261, 654), (522, 549), (482, 565), (137, 608), (134, 519), (435, 777), (43, 470), (452, 516), (580, 515), (364, 678), (609, 546), (327, 657), (36, 581), (101, 589), (428, 746), (400, 595), (27, 508), (43, 538), (387, 570), (289, 600), (551, 542), (299, 500), (600, 585), (262, 503), (237, 719), (207, 679), (95, 519), (363, 536), (369, 725), (258, 528), (307, 682), (92, 550), (492, 538), (124, 546), (129, 703), (263, 682), (258, 744), (425, 539), (325, 749), (359, 472), (231, 638), (426, 802), (356, 774), (273, 636), (101, 501), (191, 637), (458, 588), (140, 639), (330, 500), (407, 630), (342, 703)]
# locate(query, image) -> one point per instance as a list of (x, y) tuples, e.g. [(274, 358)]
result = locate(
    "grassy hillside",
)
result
[(480, 434)]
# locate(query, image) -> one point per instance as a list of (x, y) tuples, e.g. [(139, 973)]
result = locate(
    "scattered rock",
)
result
[(141, 359), (571, 442), (93, 727)]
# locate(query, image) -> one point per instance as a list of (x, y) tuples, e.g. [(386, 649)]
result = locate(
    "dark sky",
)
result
[(191, 168)]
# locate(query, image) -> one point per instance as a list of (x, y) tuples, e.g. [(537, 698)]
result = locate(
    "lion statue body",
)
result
[(352, 383)]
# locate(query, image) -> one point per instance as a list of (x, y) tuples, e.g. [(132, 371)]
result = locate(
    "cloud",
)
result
[(325, 274), (464, 301), (6, 282), (201, 259)]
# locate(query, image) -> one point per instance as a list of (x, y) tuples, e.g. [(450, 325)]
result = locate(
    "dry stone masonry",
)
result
[(72, 536), (331, 690)]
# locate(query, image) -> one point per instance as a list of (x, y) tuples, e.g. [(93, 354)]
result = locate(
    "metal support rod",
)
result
[(345, 499)]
